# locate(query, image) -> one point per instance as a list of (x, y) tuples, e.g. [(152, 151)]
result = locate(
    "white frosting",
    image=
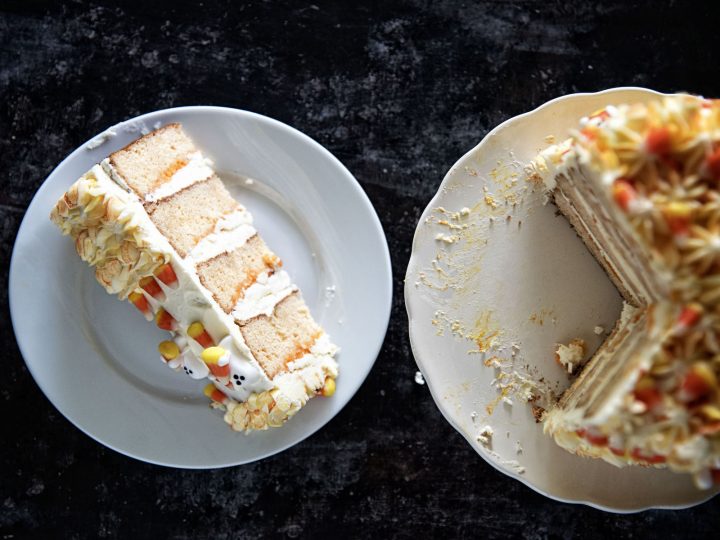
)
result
[(197, 169), (306, 372), (309, 371), (234, 219), (194, 366), (112, 173), (220, 242), (263, 295)]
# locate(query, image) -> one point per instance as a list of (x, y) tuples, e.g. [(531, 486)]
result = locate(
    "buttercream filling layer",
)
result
[(197, 169)]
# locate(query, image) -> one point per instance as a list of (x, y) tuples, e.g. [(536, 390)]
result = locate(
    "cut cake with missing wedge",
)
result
[(639, 183), (161, 230)]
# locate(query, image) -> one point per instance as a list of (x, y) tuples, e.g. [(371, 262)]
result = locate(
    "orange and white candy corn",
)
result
[(164, 320), (139, 301), (166, 275), (678, 215), (168, 350), (197, 331), (214, 394), (624, 194), (150, 286), (213, 356)]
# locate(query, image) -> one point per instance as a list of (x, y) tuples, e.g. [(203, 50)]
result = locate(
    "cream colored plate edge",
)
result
[(516, 279)]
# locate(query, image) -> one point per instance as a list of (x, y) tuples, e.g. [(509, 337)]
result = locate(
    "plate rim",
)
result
[(409, 293), (386, 287)]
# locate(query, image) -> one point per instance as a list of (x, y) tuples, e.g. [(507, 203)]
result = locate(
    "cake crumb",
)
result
[(537, 413), (515, 465), (518, 447), (448, 239), (419, 379), (485, 436), (570, 356), (599, 330)]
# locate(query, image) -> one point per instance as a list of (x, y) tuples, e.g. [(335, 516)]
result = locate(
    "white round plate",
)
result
[(515, 280), (96, 359)]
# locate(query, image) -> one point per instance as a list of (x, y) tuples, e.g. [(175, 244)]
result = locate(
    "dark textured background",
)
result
[(397, 91)]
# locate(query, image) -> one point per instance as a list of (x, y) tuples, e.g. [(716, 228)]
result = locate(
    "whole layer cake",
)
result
[(161, 230), (640, 184)]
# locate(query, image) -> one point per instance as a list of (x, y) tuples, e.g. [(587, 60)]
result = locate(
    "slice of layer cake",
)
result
[(161, 230), (639, 183)]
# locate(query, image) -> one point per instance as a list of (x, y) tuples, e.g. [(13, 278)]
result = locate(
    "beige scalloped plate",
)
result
[(495, 272)]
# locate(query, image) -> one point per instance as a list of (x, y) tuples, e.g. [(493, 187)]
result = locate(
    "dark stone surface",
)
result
[(397, 91)]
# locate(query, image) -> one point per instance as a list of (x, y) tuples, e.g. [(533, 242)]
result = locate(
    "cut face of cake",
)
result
[(640, 184), (162, 231)]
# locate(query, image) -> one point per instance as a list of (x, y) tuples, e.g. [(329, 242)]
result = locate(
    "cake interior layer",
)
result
[(628, 264), (151, 160), (228, 275), (623, 258), (284, 332), (187, 216), (282, 337), (602, 380)]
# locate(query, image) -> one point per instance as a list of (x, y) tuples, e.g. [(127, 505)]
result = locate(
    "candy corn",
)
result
[(689, 316), (212, 356), (197, 331), (658, 141), (150, 286), (328, 388), (698, 382), (214, 394), (164, 320), (139, 301), (678, 215), (166, 274), (168, 350), (623, 193)]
